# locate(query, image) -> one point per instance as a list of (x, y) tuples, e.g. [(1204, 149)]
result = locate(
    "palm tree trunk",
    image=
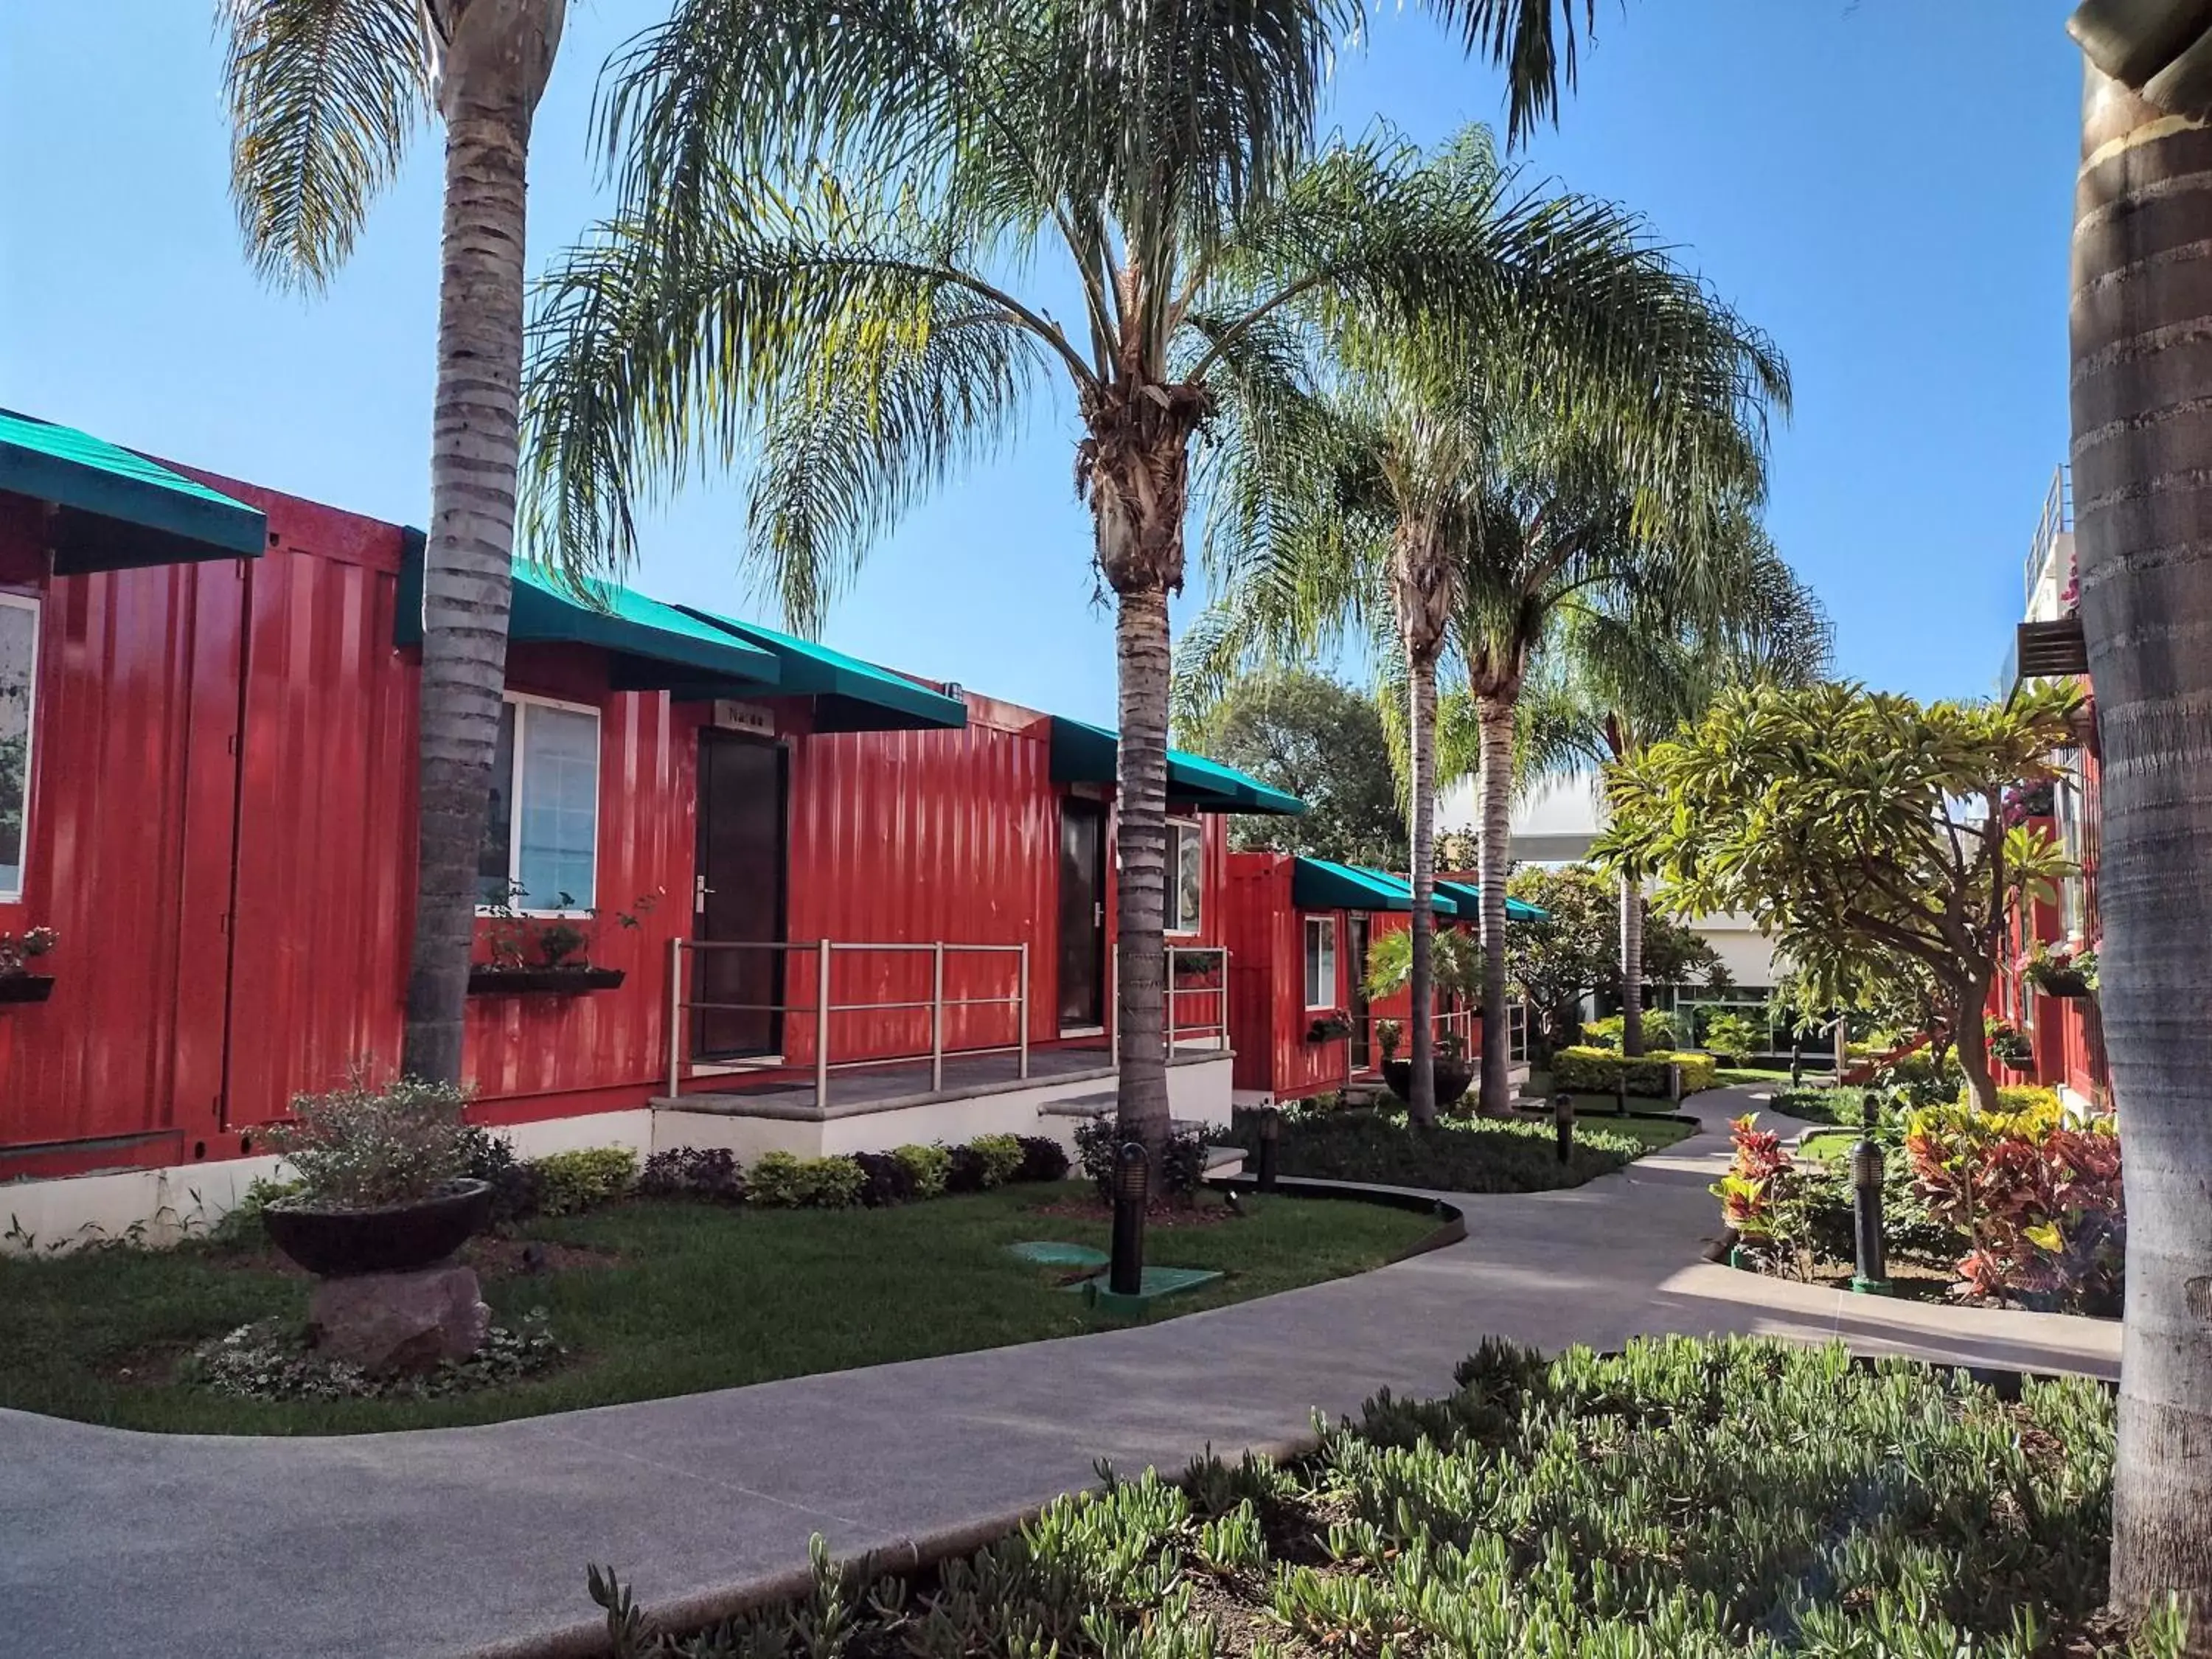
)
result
[(2142, 315), (1631, 965), (496, 61), (1494, 717), (1141, 648), (1421, 743)]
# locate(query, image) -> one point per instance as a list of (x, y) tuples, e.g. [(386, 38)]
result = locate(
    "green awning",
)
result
[(850, 695), (116, 511), (1469, 897), (1084, 753), (654, 647), (1325, 885)]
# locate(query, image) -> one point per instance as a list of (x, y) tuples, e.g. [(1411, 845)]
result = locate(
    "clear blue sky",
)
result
[(1885, 186)]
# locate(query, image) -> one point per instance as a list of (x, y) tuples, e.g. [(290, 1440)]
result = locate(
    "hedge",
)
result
[(1585, 1071)]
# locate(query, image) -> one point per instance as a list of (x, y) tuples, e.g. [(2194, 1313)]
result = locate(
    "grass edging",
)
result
[(1453, 1219)]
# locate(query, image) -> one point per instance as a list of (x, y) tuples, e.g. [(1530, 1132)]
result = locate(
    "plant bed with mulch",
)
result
[(1458, 1155), (1683, 1498), (650, 1297)]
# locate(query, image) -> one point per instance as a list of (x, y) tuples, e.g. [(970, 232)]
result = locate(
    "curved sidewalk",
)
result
[(451, 1541)]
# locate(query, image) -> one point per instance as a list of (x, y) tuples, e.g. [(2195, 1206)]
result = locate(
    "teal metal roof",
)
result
[(655, 646), (850, 694), (1470, 899), (117, 511), (1084, 753), (1325, 885)]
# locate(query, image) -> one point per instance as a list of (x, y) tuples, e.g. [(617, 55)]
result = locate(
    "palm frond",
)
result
[(1532, 41), (323, 96)]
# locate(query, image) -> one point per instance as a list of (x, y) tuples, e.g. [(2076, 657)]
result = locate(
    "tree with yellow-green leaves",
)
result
[(1854, 827)]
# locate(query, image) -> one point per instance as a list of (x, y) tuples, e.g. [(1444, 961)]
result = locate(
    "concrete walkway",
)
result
[(459, 1540)]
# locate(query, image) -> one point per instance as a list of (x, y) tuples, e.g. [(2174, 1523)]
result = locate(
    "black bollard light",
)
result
[(1271, 1132), (1132, 1180), (1796, 1062), (1563, 1124), (1872, 1274), (1620, 1092)]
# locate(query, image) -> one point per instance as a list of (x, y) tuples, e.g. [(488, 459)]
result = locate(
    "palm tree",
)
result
[(1613, 678), (323, 96), (1446, 495), (831, 217), (2141, 309)]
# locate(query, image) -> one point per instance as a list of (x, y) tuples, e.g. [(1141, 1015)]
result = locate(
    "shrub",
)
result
[(1465, 1155), (2040, 1203), (1590, 1071), (1181, 1167), (1814, 1219), (885, 1179), (240, 1225), (518, 1190), (927, 1168), (1659, 1030), (1043, 1159), (360, 1147), (1758, 1180), (784, 1182), (571, 1183), (710, 1173), (1734, 1038)]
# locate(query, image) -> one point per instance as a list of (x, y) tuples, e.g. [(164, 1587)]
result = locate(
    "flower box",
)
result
[(26, 987), (2060, 981), (1329, 1028), (488, 981)]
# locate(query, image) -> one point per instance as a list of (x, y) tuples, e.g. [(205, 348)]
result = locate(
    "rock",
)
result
[(399, 1322)]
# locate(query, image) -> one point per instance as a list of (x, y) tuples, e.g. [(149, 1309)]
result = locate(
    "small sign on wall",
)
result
[(749, 717)]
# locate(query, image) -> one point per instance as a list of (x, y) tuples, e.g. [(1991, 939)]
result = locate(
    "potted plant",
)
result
[(17, 951), (382, 1187), (2011, 1045), (1330, 1027), (551, 954), (2059, 970), (1449, 1067)]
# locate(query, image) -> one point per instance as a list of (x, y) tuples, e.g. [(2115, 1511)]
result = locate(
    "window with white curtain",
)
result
[(1320, 962), (1186, 876), (541, 831), (18, 673)]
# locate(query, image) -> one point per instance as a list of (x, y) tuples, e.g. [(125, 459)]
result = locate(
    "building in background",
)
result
[(2055, 1010)]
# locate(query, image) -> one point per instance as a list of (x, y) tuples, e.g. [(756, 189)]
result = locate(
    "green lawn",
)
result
[(1460, 1155), (1732, 1076), (691, 1297)]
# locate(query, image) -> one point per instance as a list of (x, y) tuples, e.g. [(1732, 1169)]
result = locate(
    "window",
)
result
[(1320, 962), (19, 667), (1186, 876), (2067, 802), (541, 833)]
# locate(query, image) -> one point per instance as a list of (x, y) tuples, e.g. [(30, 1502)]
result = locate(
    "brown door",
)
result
[(738, 898), (1082, 914), (1355, 937)]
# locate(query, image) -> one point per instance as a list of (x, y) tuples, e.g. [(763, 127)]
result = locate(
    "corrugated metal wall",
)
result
[(907, 837), (1268, 1017), (128, 850)]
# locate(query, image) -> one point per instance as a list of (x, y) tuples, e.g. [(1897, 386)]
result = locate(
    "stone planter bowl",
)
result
[(398, 1239), (1453, 1079)]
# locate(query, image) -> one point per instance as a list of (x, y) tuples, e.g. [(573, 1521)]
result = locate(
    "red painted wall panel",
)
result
[(128, 850), (905, 837), (1268, 1017)]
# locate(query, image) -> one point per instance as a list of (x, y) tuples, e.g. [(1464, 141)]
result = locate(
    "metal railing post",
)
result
[(936, 1017), (822, 1024), (675, 1013), (1022, 1011), (1221, 1002)]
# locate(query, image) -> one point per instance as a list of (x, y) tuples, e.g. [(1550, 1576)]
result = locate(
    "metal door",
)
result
[(738, 896), (1082, 914)]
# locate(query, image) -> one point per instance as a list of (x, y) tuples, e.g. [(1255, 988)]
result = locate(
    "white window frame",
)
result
[(1324, 928), (523, 700), (27, 602), (1184, 927)]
